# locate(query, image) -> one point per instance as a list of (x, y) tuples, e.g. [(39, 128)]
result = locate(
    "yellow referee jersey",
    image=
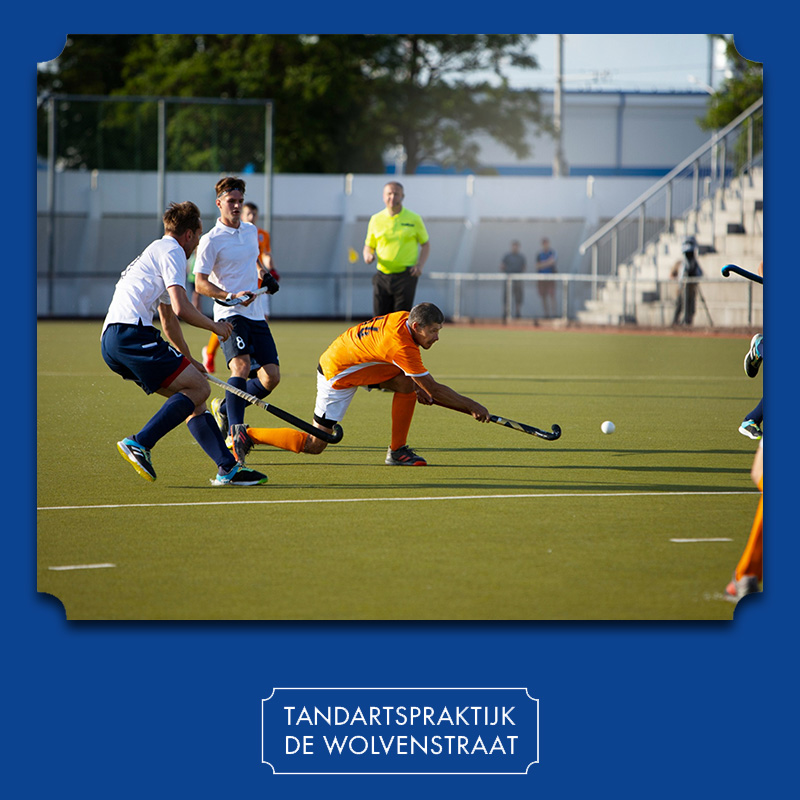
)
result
[(396, 239)]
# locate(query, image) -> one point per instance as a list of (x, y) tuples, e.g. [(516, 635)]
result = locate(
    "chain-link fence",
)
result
[(144, 147)]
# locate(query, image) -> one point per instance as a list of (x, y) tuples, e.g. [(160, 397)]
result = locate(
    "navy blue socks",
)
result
[(167, 418), (208, 435)]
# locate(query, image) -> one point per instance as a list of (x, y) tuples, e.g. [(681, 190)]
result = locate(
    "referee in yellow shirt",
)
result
[(397, 238)]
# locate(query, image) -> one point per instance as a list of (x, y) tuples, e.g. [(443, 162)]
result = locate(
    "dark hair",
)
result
[(181, 217), (229, 184), (252, 206), (426, 314)]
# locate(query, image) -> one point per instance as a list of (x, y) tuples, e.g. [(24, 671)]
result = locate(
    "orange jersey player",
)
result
[(748, 573), (381, 353)]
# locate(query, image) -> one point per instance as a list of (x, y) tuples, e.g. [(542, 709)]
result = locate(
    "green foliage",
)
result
[(737, 93), (341, 100)]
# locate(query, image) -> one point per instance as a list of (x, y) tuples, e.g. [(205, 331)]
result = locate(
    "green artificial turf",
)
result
[(499, 526)]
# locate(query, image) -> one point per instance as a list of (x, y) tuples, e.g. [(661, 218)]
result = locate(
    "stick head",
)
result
[(337, 434)]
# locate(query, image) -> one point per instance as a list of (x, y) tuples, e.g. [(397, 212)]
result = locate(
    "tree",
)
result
[(738, 92), (426, 102), (341, 101)]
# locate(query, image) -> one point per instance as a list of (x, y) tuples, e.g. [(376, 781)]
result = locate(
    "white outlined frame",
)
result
[(399, 689)]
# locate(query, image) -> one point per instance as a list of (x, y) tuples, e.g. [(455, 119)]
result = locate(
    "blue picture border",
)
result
[(633, 710)]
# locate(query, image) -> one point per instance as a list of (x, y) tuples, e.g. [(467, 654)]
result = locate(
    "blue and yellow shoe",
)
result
[(755, 355), (138, 457), (240, 476), (220, 417), (751, 428)]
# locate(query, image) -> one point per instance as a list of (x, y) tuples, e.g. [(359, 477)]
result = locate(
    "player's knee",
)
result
[(314, 446), (269, 377)]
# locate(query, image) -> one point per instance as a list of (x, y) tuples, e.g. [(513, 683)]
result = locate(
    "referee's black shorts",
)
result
[(393, 292)]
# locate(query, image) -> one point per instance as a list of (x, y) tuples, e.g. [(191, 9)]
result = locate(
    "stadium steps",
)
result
[(728, 228)]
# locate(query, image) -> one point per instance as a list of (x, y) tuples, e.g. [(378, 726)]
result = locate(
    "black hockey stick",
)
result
[(306, 427), (728, 268), (551, 435)]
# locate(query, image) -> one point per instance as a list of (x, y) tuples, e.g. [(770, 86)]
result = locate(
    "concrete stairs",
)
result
[(728, 228)]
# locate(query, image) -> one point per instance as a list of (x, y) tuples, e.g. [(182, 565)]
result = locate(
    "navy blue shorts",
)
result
[(250, 338), (138, 353)]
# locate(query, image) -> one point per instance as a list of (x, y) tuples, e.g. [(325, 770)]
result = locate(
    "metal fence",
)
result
[(159, 135), (720, 302)]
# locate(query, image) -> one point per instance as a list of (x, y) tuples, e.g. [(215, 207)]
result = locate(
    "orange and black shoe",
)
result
[(241, 441), (404, 457)]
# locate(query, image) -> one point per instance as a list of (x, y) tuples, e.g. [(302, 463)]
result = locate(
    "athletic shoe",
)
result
[(747, 584), (240, 476), (241, 443), (752, 361), (751, 428), (220, 417), (404, 457), (208, 360), (138, 456)]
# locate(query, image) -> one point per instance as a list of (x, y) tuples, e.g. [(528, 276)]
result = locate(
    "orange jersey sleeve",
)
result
[(263, 245), (372, 352)]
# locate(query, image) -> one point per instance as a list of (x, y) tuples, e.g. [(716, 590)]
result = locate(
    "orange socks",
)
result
[(284, 438), (213, 345), (403, 406), (751, 562)]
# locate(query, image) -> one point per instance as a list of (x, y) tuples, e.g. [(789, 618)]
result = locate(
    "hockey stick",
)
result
[(306, 427), (237, 301), (551, 435), (728, 268)]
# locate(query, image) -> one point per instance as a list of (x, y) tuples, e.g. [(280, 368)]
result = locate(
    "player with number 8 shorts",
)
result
[(227, 267)]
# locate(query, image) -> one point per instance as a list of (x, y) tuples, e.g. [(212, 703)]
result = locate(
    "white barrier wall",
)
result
[(104, 220)]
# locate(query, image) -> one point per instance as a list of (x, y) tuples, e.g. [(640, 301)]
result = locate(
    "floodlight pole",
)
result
[(559, 165)]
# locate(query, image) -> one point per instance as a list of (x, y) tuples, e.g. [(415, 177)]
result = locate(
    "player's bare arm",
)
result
[(443, 395), (369, 255), (183, 307), (204, 286)]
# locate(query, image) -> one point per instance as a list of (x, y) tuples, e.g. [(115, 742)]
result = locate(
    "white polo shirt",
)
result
[(229, 257), (143, 283)]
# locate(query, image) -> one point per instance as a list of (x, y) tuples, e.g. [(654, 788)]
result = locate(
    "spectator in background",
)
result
[(686, 270), (546, 263), (513, 262), (398, 240)]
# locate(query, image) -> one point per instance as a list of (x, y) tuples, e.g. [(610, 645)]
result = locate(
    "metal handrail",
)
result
[(716, 146)]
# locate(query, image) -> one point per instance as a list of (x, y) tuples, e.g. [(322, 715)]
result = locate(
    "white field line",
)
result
[(472, 377), (693, 541), (82, 566), (318, 501)]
